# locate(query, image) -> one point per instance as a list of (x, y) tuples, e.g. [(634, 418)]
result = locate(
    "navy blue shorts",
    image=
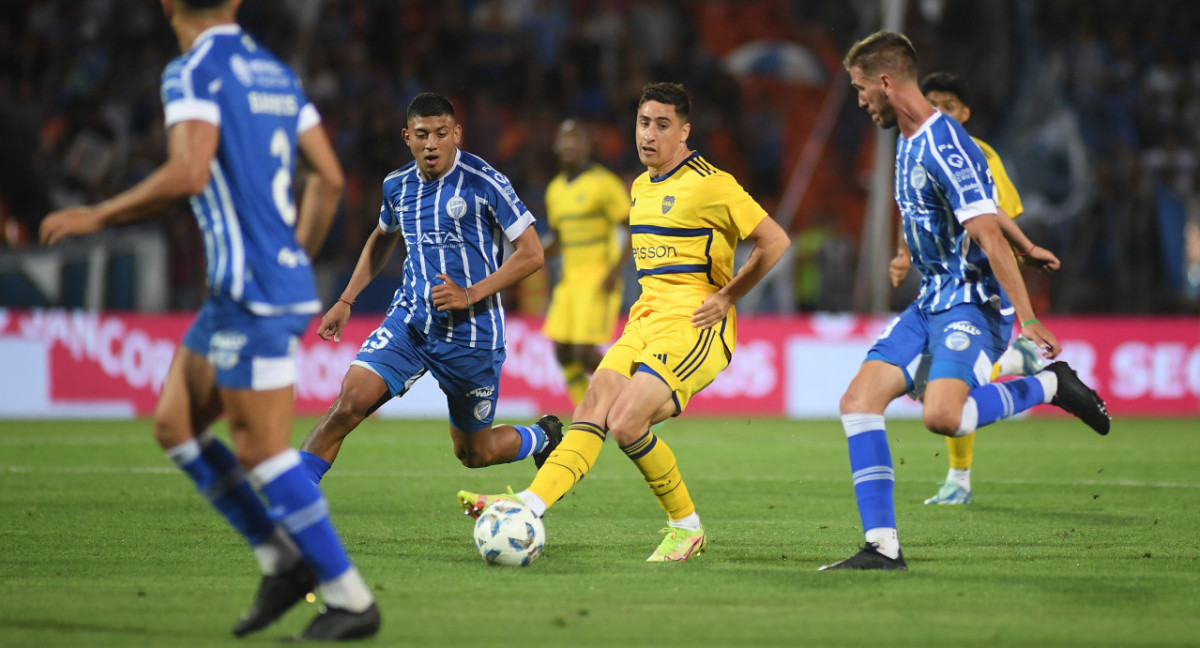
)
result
[(470, 378), (962, 342), (249, 351)]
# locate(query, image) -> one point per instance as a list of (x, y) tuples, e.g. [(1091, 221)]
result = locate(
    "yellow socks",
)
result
[(657, 463), (577, 381), (569, 462), (962, 451)]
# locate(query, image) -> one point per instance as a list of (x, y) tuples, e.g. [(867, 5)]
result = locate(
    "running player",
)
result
[(685, 220), (237, 121), (446, 317), (587, 207), (948, 93), (962, 314)]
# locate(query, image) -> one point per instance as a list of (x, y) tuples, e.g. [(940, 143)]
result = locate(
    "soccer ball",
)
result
[(507, 533)]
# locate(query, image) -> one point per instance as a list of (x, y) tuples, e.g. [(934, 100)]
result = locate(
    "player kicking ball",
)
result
[(685, 220)]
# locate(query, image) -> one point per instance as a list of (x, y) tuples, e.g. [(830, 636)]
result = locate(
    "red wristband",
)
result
[(348, 303)]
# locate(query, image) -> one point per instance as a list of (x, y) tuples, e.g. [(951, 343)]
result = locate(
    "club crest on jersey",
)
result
[(917, 177), (456, 207), (958, 341), (482, 409), (667, 203)]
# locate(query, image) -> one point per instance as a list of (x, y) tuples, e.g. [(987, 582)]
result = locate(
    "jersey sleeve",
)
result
[(189, 91), (510, 212), (389, 217), (959, 167), (744, 212)]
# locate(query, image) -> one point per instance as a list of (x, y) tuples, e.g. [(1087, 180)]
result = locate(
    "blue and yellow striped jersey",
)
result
[(684, 226)]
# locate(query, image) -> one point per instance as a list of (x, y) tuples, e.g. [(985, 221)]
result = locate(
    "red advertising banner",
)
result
[(72, 364)]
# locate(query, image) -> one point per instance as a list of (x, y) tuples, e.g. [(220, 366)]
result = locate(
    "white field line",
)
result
[(403, 474)]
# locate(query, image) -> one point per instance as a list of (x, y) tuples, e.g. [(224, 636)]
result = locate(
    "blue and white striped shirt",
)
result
[(449, 227), (942, 181), (246, 214)]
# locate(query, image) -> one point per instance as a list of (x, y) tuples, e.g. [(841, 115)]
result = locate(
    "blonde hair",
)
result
[(883, 51)]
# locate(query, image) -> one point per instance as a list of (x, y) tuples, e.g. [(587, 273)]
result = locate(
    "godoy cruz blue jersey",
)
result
[(942, 180), (250, 245), (449, 227)]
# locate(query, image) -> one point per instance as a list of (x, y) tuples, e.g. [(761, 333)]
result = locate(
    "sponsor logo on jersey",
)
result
[(482, 392), (241, 70), (224, 348), (958, 341), (438, 239), (654, 251), (955, 160), (456, 207), (964, 326), (917, 177), (667, 203)]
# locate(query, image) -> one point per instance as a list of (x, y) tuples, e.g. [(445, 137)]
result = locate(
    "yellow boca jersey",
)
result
[(584, 211), (683, 227), (1006, 194)]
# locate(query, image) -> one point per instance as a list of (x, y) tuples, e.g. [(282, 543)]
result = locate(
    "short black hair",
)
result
[(202, 5), (884, 50), (429, 104), (671, 94), (947, 82)]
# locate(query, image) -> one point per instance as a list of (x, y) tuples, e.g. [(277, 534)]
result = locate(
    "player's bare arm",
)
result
[(985, 231), (191, 146), (770, 243), (526, 259), (371, 261), (322, 188), (899, 265), (1026, 250)]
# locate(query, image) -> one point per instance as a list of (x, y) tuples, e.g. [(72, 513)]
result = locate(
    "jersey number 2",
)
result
[(281, 184)]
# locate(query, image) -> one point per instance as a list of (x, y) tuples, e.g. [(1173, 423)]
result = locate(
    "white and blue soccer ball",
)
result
[(507, 533)]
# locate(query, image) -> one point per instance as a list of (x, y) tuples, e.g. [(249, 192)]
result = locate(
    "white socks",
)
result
[(960, 477), (277, 554), (347, 592), (886, 539), (1049, 381), (691, 522), (534, 503)]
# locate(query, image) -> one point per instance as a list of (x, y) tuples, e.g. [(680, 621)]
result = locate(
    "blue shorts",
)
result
[(249, 351), (962, 342), (470, 378)]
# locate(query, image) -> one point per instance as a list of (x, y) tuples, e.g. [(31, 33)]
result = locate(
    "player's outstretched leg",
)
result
[(1079, 399), (474, 504), (869, 558)]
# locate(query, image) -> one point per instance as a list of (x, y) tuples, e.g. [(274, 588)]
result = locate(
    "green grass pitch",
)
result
[(1073, 540)]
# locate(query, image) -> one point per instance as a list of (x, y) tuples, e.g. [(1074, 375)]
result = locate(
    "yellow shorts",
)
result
[(582, 314), (684, 357)]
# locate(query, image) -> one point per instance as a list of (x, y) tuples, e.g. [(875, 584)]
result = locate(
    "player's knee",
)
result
[(853, 401), (170, 432), (625, 430), (942, 422)]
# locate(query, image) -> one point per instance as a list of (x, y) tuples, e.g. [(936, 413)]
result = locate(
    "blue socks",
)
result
[(871, 465), (298, 506), (221, 481), (315, 466), (533, 440), (997, 401)]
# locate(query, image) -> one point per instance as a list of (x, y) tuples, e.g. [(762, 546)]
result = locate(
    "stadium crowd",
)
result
[(80, 117)]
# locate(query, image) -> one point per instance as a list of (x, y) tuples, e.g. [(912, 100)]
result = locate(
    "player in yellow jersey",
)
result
[(587, 207), (949, 94), (685, 220)]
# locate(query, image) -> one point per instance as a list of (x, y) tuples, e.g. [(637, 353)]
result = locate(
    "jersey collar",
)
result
[(668, 174), (928, 122), (228, 29)]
